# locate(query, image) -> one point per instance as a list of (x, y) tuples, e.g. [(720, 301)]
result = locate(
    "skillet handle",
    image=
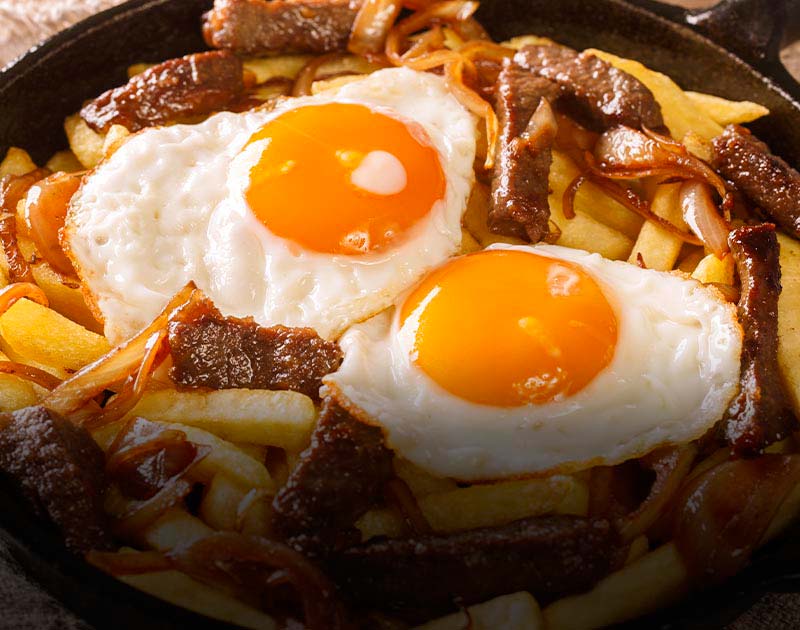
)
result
[(751, 29)]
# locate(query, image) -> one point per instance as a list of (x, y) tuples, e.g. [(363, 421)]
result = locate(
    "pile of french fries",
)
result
[(256, 436)]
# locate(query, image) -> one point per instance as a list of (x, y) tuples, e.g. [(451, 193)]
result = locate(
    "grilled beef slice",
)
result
[(340, 476), (520, 185), (257, 27), (60, 470), (765, 179), (217, 352), (194, 85), (594, 92), (760, 413), (422, 577)]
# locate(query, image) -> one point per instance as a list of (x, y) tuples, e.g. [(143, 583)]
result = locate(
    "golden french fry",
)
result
[(114, 139), (639, 547), (421, 482), (590, 200), (499, 503), (40, 334), (651, 582), (175, 528), (691, 258), (789, 319), (681, 114), (181, 590), (712, 269), (527, 40), (517, 611), (725, 112), (288, 66), (468, 243), (65, 299), (254, 514), (86, 144), (270, 418), (16, 162), (658, 248), (138, 68), (324, 85), (15, 393), (220, 504), (64, 161), (380, 522)]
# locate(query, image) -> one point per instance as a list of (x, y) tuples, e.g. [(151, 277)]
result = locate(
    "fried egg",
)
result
[(521, 360), (317, 213)]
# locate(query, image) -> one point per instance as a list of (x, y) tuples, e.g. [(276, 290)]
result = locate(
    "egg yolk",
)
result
[(341, 178), (509, 328)]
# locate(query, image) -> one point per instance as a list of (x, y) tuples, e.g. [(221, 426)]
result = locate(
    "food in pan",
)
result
[(362, 319)]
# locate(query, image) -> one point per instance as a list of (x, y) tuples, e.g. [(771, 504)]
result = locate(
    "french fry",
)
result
[(175, 528), (651, 582), (499, 503), (220, 504), (712, 269), (421, 482), (65, 299), (468, 243), (517, 611), (288, 66), (114, 139), (380, 522), (254, 513), (725, 112), (86, 144), (681, 114), (691, 257), (789, 319), (16, 162), (590, 200), (64, 161), (527, 40), (15, 393), (224, 457), (323, 85), (282, 418), (42, 335), (6, 349), (639, 547), (658, 248), (181, 590)]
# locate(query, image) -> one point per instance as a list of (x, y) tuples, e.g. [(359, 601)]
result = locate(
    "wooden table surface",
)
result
[(23, 605)]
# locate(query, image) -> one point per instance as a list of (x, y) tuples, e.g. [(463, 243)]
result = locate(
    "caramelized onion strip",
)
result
[(703, 218), (117, 365), (308, 73), (30, 373), (13, 189), (18, 290), (372, 25)]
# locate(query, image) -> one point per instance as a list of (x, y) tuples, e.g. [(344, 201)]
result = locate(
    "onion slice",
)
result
[(701, 215), (119, 364), (18, 290), (308, 73), (30, 373), (372, 25), (13, 189)]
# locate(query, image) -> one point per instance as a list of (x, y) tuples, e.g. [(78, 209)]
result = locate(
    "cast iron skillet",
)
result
[(53, 80)]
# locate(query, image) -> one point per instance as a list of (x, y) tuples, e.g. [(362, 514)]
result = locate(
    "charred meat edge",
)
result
[(60, 470), (257, 27), (760, 413), (216, 352), (340, 476), (176, 89), (765, 179)]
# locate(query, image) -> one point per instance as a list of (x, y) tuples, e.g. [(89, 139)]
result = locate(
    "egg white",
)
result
[(168, 207), (674, 372)]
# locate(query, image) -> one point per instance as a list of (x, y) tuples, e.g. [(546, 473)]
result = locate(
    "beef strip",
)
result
[(256, 27), (340, 476), (760, 413), (421, 577), (59, 468), (189, 86), (520, 185), (217, 352), (593, 91), (765, 179)]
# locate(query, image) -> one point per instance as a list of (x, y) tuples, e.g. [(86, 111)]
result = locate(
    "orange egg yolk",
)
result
[(510, 328), (341, 178)]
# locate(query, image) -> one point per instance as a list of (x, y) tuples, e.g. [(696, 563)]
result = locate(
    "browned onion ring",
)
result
[(30, 373), (372, 25)]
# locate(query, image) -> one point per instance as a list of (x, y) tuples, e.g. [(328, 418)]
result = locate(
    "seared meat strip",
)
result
[(217, 352), (765, 179), (593, 91), (421, 577), (256, 27), (760, 414), (520, 184), (339, 477), (194, 85), (59, 468)]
